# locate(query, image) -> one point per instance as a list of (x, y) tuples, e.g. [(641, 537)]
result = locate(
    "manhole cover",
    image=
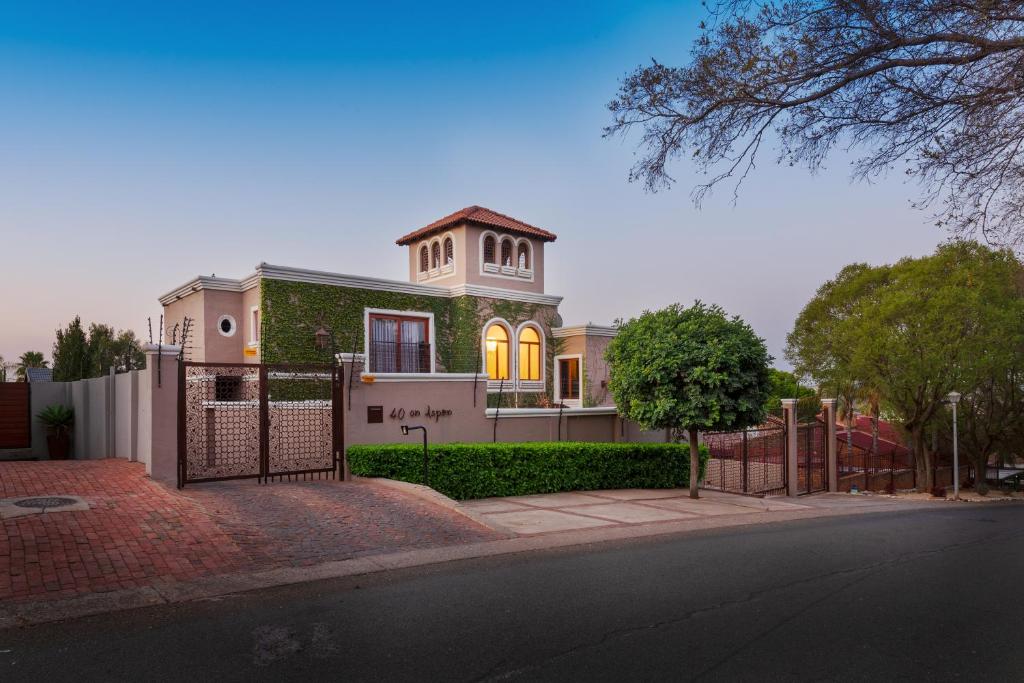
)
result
[(45, 502)]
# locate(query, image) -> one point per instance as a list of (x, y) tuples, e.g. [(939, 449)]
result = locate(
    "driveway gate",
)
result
[(811, 457), (241, 421)]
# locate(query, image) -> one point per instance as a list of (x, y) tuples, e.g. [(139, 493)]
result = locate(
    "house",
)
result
[(474, 303)]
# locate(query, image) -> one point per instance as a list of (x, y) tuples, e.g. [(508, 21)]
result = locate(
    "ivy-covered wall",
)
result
[(291, 313)]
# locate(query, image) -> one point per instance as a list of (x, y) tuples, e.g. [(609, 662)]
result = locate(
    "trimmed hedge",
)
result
[(481, 470)]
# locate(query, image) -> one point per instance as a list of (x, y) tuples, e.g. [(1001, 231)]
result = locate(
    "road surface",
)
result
[(931, 594)]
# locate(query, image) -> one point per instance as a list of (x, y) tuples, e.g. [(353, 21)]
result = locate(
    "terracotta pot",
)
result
[(59, 445)]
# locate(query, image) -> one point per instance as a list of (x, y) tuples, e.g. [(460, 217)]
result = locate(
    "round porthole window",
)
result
[(226, 326)]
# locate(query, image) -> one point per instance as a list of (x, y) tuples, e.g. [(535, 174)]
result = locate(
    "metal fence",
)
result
[(812, 456), (751, 461)]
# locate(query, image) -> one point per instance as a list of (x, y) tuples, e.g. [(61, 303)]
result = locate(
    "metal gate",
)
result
[(751, 461), (257, 421), (15, 415), (811, 457)]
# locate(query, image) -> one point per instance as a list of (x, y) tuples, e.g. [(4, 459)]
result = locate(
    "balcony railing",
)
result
[(388, 356)]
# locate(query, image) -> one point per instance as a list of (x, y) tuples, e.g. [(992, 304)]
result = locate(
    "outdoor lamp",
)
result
[(954, 398), (322, 336), (426, 455)]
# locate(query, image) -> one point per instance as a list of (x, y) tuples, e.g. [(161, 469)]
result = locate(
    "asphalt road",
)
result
[(915, 595)]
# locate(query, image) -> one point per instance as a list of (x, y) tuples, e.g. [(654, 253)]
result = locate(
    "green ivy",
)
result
[(482, 470), (292, 312)]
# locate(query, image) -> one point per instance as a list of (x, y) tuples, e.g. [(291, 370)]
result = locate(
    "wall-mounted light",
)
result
[(322, 338)]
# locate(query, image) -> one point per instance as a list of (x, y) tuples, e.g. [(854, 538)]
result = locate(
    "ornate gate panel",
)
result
[(238, 420)]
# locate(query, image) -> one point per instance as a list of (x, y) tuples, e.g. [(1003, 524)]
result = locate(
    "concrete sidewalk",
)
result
[(575, 511)]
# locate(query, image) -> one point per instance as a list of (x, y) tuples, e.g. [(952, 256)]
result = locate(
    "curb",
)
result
[(163, 593)]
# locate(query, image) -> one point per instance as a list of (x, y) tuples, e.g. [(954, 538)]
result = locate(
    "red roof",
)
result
[(862, 441), (481, 216)]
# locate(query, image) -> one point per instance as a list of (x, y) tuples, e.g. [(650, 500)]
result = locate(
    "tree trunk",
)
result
[(874, 431), (922, 461), (980, 471), (694, 464)]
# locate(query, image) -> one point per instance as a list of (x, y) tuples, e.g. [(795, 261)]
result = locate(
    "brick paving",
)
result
[(139, 533)]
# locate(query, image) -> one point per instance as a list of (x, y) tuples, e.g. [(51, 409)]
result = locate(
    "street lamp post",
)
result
[(954, 398), (426, 460)]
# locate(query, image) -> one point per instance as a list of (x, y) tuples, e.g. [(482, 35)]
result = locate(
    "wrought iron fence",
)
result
[(812, 456), (751, 461)]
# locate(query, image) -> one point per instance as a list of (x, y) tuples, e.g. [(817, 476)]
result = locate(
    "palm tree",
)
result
[(30, 359)]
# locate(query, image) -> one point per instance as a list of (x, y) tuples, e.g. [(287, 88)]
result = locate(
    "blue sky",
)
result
[(145, 144)]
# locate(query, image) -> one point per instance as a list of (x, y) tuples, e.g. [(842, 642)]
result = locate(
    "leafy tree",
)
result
[(71, 353), (29, 359), (913, 331), (787, 385), (933, 86), (689, 369)]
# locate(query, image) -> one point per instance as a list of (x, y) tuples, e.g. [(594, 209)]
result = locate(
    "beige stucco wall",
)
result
[(218, 347), (191, 306), (597, 370)]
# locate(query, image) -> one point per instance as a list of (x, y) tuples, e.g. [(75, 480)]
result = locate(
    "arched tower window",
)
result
[(506, 252), (496, 346), (449, 250), (523, 257), (423, 259), (435, 255), (529, 354), (489, 249)]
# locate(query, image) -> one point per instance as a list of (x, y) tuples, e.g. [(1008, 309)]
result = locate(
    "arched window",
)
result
[(506, 252), (496, 345), (529, 354), (449, 250), (423, 259), (489, 249), (435, 255), (523, 257)]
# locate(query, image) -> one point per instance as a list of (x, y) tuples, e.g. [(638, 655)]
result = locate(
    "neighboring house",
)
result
[(39, 374), (890, 442), (474, 303)]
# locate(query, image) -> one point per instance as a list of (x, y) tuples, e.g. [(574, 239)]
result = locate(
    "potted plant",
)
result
[(58, 420)]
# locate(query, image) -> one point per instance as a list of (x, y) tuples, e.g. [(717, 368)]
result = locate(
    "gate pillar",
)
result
[(828, 410), (792, 468), (158, 412)]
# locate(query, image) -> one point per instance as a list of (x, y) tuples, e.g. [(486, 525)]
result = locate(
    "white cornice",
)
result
[(549, 412), (383, 377), (588, 330), (271, 272)]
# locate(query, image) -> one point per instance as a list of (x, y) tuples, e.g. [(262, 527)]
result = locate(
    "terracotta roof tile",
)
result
[(479, 215)]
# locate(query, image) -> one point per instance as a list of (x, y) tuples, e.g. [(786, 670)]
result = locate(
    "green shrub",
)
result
[(481, 470)]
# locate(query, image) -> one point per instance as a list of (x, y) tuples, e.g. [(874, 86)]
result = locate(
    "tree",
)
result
[(913, 331), (689, 369), (3, 370), (29, 359), (787, 385), (71, 353), (934, 87)]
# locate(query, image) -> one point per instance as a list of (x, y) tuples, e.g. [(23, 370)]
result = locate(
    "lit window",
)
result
[(497, 352), (435, 255), (506, 252), (449, 250), (423, 259), (488, 249), (529, 354), (569, 378), (523, 257)]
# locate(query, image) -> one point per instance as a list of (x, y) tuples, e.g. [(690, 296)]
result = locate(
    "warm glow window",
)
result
[(569, 378), (529, 354), (496, 344)]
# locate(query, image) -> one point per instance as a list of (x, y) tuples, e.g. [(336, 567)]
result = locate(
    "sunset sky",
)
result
[(142, 146)]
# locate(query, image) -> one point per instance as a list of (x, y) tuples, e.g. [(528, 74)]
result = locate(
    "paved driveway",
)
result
[(137, 533), (553, 512)]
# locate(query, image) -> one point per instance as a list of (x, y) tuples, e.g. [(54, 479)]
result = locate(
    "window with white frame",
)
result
[(529, 354), (399, 343), (449, 250), (498, 358), (254, 325)]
